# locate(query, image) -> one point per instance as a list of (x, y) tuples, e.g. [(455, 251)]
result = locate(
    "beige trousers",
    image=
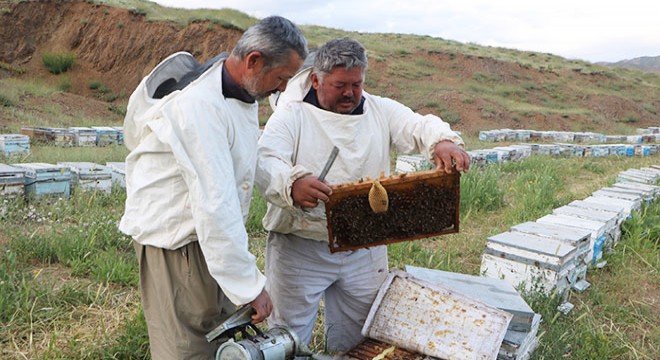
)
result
[(301, 271), (181, 300)]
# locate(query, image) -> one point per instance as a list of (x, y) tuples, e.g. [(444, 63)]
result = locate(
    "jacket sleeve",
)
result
[(277, 152), (197, 135), (411, 132)]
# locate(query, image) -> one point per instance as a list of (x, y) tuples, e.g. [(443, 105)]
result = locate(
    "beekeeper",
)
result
[(325, 106), (192, 131)]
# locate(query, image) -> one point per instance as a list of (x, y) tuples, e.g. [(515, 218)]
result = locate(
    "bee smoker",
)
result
[(278, 343)]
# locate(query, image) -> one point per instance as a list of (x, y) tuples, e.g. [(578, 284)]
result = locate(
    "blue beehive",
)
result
[(42, 179), (12, 181), (12, 144), (105, 135), (120, 134)]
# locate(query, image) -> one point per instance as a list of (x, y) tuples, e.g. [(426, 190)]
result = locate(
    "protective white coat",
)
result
[(190, 174), (299, 138)]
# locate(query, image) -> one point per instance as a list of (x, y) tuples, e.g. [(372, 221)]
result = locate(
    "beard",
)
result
[(251, 85)]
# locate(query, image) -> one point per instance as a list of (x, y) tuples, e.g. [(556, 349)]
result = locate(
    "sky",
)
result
[(591, 30)]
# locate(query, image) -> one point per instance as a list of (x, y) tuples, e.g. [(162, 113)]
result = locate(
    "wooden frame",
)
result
[(414, 201)]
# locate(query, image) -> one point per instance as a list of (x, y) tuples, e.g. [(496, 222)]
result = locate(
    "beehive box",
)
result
[(421, 205), (635, 199), (434, 320), (494, 292), (120, 134), (118, 173), (645, 194), (578, 238), (600, 233), (411, 163), (83, 136), (105, 135), (90, 176), (653, 190), (42, 179), (534, 262), (628, 206), (597, 207), (59, 136), (35, 133), (14, 144), (370, 349), (12, 181), (519, 345)]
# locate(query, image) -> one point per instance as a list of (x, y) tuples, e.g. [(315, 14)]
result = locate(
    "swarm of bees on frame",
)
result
[(380, 215)]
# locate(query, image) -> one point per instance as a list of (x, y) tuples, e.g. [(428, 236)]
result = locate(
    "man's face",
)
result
[(263, 83), (340, 91)]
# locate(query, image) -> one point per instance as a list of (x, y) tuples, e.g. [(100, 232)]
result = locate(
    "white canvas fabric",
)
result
[(179, 167), (299, 137)]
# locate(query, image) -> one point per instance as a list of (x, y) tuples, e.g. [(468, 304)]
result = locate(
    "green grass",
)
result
[(58, 63), (68, 278)]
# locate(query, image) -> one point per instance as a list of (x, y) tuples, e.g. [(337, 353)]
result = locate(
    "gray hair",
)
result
[(274, 37), (342, 52)]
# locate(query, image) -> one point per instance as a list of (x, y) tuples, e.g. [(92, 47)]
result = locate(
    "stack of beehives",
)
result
[(552, 254), (76, 136), (649, 135), (42, 179)]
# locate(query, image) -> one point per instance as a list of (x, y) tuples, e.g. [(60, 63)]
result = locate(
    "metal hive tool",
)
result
[(419, 205)]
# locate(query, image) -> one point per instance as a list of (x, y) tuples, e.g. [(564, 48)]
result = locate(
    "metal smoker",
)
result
[(278, 343)]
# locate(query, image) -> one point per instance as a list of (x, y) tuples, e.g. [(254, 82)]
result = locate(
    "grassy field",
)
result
[(68, 277), (69, 285)]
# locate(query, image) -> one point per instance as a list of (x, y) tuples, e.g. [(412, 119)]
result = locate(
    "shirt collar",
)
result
[(231, 90), (311, 98)]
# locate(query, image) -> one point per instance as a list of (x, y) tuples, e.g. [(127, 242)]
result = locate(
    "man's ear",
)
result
[(254, 60), (315, 81)]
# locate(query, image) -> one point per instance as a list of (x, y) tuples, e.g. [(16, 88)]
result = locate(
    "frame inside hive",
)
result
[(422, 204)]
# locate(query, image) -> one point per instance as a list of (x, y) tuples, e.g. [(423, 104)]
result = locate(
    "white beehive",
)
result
[(535, 262)]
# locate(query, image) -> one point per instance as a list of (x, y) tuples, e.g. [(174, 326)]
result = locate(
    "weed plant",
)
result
[(58, 62)]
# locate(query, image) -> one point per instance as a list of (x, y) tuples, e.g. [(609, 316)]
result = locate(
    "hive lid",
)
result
[(422, 204), (431, 319)]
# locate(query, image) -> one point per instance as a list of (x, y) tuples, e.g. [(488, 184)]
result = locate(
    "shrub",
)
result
[(58, 63), (65, 84), (6, 101), (95, 84)]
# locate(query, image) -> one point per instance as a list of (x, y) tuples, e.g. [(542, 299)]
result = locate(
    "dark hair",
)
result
[(342, 52), (274, 37)]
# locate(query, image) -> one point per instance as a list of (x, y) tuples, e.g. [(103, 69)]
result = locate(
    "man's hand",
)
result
[(308, 190), (262, 305), (446, 153)]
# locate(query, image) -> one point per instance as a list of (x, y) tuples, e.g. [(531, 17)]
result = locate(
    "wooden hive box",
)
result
[(83, 136), (434, 320), (43, 179), (12, 181), (422, 204), (89, 176), (11, 144)]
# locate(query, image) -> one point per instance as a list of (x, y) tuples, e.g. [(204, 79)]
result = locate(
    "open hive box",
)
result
[(420, 205), (370, 349)]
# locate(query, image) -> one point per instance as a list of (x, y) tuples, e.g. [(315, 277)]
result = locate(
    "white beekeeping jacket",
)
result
[(299, 137), (190, 174)]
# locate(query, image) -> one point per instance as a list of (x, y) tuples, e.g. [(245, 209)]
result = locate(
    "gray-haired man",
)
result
[(189, 180), (325, 106)]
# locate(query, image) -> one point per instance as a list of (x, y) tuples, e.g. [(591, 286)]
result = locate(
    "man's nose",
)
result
[(347, 91)]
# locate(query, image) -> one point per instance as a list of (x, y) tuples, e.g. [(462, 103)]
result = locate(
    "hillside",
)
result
[(644, 63), (473, 87)]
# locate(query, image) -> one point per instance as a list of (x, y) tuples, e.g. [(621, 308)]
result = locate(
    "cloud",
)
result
[(587, 29)]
